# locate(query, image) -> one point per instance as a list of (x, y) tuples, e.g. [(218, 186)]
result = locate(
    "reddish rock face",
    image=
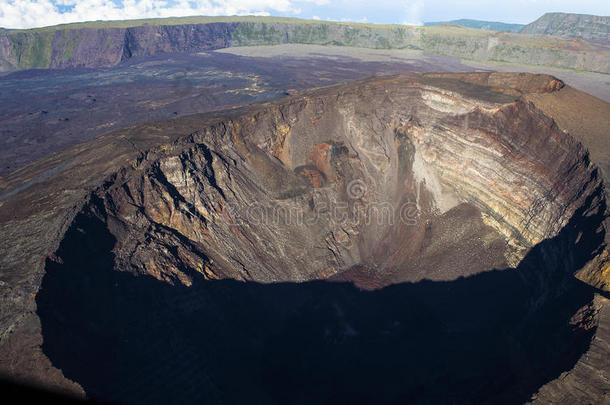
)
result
[(554, 85), (320, 156), (419, 191)]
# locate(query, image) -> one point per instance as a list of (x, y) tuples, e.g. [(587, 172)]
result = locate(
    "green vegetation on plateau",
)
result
[(32, 50)]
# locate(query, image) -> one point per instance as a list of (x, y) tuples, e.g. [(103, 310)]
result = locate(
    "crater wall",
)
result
[(318, 185), (393, 235)]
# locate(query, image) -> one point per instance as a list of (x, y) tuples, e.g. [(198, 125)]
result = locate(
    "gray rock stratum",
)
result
[(406, 238)]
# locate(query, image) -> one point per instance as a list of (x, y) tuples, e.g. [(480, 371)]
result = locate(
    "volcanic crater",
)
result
[(397, 239)]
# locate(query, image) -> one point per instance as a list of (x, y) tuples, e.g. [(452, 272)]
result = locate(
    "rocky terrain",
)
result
[(582, 26), (424, 238), (110, 43)]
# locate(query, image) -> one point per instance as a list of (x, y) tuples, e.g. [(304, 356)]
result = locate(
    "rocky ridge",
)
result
[(107, 44), (583, 26)]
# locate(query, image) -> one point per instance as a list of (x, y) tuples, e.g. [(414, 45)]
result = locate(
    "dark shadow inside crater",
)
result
[(495, 337)]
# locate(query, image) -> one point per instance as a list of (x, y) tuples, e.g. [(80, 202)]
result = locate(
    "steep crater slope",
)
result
[(317, 186), (458, 211)]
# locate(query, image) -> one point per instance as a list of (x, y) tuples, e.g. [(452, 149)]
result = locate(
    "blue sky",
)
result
[(36, 13)]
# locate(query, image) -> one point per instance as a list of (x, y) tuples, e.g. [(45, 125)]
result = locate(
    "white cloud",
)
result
[(414, 13), (36, 13), (316, 2)]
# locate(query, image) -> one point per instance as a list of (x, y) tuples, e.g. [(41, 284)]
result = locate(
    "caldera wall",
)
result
[(101, 44)]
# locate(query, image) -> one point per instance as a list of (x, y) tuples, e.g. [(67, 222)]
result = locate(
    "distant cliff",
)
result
[(583, 26), (101, 44), (97, 47)]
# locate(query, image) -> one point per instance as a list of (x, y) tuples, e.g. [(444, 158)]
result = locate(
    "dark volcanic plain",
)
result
[(44, 111)]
